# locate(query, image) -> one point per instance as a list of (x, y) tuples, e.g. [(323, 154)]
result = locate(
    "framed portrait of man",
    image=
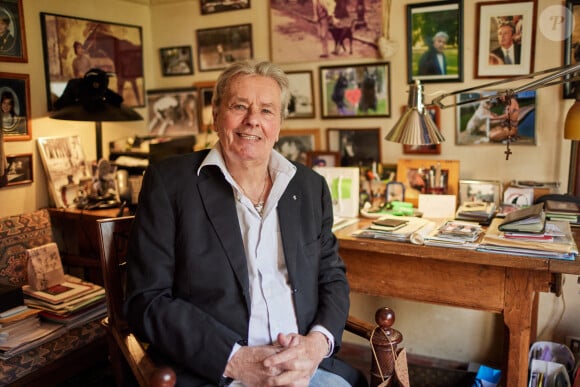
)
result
[(12, 33), (435, 41), (572, 43)]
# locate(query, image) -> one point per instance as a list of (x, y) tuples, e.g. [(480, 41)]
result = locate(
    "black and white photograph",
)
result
[(294, 144), (12, 32), (219, 47), (19, 169), (216, 6), (313, 30), (357, 147), (176, 61), (173, 112), (15, 106), (301, 94)]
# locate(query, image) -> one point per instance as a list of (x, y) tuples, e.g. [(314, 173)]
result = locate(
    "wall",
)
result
[(445, 332)]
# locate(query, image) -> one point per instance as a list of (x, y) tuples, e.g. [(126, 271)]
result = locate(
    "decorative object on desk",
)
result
[(67, 172), (437, 29), (173, 112), (530, 219), (395, 191), (355, 91), (485, 122), (74, 45), (90, 99), (486, 191), (176, 60), (506, 38), (414, 174), (44, 266), (343, 183), (15, 97), (521, 197)]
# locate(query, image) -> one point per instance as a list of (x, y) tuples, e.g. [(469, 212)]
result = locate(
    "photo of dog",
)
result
[(479, 121)]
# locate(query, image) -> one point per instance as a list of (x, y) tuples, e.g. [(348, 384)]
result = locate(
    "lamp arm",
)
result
[(556, 76)]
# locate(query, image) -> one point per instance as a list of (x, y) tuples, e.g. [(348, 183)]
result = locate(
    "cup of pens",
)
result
[(435, 180)]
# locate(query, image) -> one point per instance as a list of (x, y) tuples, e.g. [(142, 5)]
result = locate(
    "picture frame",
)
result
[(218, 47), (433, 149), (435, 41), (489, 191), (205, 91), (294, 144), (411, 173), (503, 18), (295, 31), (112, 47), (209, 7), (572, 44), (301, 95), (395, 190), (13, 47), (355, 91), (16, 87), (176, 61), (483, 122), (357, 147), (19, 169), (173, 112), (323, 159), (67, 172)]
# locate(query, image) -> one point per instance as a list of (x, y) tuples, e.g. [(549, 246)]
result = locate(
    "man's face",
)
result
[(439, 43), (505, 36), (249, 117)]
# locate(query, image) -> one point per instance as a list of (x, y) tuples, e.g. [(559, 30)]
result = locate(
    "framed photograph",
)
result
[(323, 159), (357, 147), (416, 173), (13, 34), (72, 46), (355, 91), (19, 169), (489, 191), (300, 31), (294, 144), (205, 94), (15, 97), (395, 190), (505, 41), (435, 41), (218, 47), (173, 112), (176, 60), (433, 149), (216, 6), (67, 171), (491, 121), (572, 43), (301, 94)]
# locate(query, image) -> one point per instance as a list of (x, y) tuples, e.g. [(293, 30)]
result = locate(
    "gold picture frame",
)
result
[(410, 172)]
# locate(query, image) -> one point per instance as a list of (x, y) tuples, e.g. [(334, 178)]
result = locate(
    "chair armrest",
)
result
[(359, 327)]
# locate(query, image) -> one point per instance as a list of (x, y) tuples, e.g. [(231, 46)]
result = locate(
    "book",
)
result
[(60, 293), (530, 219), (562, 207)]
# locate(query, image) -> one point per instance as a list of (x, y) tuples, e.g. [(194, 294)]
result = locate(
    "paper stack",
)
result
[(400, 233), (562, 210), (481, 212), (71, 302), (457, 234)]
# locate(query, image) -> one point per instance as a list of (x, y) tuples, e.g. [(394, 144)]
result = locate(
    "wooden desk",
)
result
[(498, 283)]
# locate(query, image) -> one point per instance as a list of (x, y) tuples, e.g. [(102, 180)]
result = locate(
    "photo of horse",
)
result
[(72, 46)]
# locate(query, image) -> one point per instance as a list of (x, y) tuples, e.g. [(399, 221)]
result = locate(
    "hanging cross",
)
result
[(508, 151)]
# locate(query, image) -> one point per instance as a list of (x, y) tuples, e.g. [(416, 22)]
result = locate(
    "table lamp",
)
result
[(90, 99)]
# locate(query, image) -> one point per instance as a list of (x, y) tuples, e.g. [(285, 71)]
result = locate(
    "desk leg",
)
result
[(521, 286)]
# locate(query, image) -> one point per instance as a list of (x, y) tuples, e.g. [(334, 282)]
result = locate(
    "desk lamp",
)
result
[(415, 127), (90, 99)]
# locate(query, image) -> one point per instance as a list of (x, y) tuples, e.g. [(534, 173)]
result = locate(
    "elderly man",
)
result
[(433, 62)]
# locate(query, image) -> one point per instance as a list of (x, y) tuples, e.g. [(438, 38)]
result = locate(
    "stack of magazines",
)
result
[(455, 233), (393, 228), (72, 302), (481, 212)]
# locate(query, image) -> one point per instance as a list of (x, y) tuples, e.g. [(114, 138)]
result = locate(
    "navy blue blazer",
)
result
[(187, 282)]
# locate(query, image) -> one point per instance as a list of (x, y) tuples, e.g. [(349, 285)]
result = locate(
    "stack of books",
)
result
[(72, 302), (456, 234), (565, 211), (21, 329), (481, 212), (393, 228)]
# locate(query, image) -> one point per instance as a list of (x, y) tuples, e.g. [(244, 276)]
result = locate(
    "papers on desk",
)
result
[(413, 231), (560, 246), (455, 234)]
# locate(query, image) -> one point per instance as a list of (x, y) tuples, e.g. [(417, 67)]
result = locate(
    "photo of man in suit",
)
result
[(508, 53), (433, 61)]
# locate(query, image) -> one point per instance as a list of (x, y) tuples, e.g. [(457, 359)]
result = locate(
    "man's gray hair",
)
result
[(441, 34)]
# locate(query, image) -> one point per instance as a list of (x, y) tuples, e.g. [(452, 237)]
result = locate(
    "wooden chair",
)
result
[(128, 355)]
